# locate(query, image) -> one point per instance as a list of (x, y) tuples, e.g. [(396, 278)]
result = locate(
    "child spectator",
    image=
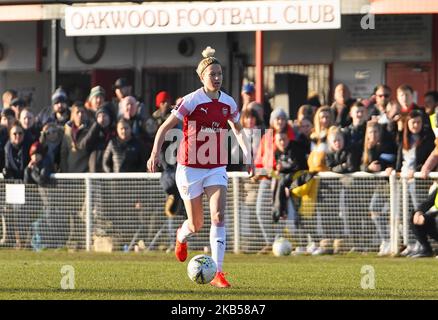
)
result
[(304, 129), (338, 159), (289, 158), (252, 126), (51, 137), (40, 167), (265, 163), (355, 133)]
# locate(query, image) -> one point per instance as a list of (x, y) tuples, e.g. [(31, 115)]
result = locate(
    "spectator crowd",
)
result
[(384, 132)]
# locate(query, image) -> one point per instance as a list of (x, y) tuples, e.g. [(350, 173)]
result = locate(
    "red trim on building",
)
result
[(259, 67), (435, 51)]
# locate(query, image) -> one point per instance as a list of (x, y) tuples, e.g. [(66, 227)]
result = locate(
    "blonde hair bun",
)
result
[(208, 52)]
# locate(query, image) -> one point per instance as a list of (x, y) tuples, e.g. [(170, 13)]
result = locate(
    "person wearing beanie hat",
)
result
[(58, 112), (275, 114), (162, 102), (161, 98), (95, 100), (59, 96), (206, 111), (106, 109)]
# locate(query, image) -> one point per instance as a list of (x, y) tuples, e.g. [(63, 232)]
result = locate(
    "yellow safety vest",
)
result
[(436, 200), (433, 124)]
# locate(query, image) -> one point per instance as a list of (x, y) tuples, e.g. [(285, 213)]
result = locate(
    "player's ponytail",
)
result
[(209, 59)]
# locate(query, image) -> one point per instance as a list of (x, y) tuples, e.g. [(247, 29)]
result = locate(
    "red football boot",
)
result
[(180, 249), (219, 281)]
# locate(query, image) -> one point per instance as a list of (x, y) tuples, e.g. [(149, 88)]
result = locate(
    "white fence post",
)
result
[(394, 212), (88, 214), (236, 214), (405, 208)]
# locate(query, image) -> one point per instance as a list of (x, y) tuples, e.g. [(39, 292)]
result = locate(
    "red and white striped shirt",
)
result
[(205, 129)]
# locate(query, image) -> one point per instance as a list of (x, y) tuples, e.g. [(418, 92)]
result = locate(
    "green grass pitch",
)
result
[(157, 275)]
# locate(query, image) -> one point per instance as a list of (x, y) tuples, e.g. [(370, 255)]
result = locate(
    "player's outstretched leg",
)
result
[(218, 245), (180, 246), (195, 219), (217, 199)]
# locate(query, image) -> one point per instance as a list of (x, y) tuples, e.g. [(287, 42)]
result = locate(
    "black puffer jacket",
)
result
[(95, 142), (340, 161), (122, 156)]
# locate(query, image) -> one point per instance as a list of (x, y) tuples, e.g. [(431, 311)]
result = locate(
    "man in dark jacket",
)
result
[(98, 136), (341, 107), (58, 112), (124, 153)]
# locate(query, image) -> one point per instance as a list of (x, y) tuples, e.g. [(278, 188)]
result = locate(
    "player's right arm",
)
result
[(153, 161)]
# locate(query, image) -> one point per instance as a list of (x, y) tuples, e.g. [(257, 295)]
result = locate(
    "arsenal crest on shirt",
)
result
[(225, 111)]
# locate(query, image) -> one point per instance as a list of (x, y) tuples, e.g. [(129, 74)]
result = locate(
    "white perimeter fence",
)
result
[(110, 212)]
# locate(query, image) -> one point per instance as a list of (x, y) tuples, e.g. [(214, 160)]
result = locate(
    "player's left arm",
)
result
[(245, 144)]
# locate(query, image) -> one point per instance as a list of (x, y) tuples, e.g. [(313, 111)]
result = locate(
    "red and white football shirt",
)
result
[(205, 129)]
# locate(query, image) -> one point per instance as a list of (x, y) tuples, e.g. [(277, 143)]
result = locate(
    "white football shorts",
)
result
[(192, 181)]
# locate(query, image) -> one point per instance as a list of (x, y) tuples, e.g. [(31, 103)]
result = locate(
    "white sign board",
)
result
[(194, 17), (15, 194)]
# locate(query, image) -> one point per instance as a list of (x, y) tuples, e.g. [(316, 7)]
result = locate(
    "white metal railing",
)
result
[(129, 208)]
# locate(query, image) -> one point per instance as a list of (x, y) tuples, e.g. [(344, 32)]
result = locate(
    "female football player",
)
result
[(202, 157)]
